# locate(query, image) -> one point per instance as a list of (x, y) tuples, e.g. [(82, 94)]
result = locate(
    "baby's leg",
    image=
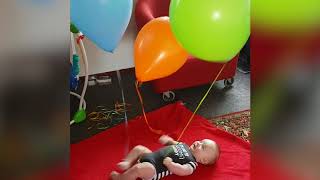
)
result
[(143, 170), (133, 156)]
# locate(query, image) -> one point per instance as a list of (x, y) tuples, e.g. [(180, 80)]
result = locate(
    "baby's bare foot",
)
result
[(114, 175), (124, 165)]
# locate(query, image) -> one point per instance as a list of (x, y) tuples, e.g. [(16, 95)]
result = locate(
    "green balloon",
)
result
[(212, 30), (286, 15)]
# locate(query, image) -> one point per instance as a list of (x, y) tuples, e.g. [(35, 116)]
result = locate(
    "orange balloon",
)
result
[(157, 53)]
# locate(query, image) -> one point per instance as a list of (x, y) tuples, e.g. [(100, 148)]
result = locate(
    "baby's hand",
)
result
[(167, 161), (164, 139)]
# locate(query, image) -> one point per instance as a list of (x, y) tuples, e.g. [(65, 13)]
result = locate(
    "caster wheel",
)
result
[(228, 82), (168, 96)]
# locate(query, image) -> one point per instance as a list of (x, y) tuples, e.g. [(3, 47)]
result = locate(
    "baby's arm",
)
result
[(166, 140), (178, 169)]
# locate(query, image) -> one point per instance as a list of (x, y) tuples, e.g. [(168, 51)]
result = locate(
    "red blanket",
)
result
[(96, 157)]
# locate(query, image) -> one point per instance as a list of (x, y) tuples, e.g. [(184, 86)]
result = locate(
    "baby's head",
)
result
[(206, 151)]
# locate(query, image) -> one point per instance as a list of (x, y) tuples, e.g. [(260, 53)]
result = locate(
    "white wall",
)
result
[(122, 58)]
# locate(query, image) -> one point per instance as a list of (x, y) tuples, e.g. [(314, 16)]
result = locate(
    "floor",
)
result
[(220, 100)]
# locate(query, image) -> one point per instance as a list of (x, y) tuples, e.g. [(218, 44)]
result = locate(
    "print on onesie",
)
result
[(179, 153)]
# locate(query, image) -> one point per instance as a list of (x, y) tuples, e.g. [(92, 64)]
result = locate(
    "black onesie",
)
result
[(179, 153)]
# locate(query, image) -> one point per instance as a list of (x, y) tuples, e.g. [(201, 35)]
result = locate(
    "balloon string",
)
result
[(159, 132), (203, 98)]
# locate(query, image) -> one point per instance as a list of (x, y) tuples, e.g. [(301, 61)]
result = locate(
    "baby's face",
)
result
[(205, 151)]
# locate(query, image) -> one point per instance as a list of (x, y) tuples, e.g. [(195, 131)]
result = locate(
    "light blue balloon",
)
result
[(102, 21)]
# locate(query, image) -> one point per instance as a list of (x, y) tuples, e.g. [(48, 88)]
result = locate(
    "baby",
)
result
[(176, 158)]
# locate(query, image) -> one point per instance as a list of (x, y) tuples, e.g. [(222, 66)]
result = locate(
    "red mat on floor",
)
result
[(96, 157)]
